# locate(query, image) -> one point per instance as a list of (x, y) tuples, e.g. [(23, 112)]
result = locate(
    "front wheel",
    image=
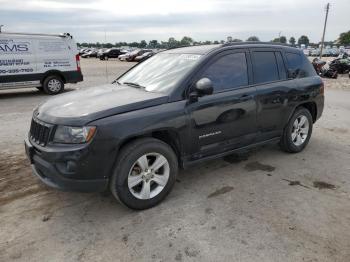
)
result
[(145, 173), (297, 132)]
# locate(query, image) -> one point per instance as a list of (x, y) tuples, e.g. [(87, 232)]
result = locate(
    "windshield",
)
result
[(161, 72)]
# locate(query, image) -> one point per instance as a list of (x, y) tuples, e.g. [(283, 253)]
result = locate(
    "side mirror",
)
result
[(204, 87)]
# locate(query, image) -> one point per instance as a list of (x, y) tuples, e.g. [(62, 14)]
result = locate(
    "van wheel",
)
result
[(297, 133), (145, 173), (53, 85)]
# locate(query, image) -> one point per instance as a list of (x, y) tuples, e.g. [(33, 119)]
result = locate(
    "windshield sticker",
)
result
[(190, 57)]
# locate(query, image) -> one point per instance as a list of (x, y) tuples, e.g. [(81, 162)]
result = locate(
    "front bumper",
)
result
[(49, 173)]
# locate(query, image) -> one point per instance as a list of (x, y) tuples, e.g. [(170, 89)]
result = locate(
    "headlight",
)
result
[(74, 135)]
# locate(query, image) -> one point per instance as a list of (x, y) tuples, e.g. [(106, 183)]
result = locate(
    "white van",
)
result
[(43, 61)]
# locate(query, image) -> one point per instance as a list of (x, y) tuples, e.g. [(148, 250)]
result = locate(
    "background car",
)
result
[(132, 55), (91, 53), (143, 57), (111, 53)]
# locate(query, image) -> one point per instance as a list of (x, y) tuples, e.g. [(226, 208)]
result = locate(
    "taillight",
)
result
[(322, 88), (77, 59)]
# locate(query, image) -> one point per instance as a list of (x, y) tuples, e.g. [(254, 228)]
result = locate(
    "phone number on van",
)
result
[(16, 71)]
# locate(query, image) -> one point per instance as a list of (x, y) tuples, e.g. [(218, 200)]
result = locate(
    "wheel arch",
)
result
[(53, 72), (168, 136), (311, 106)]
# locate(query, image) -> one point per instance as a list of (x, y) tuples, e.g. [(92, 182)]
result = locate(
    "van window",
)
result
[(265, 67), (293, 61), (228, 72)]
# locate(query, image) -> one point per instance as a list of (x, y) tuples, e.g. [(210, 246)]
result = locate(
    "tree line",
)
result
[(344, 39)]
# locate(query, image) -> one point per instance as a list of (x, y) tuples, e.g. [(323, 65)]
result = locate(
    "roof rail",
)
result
[(37, 34), (254, 43)]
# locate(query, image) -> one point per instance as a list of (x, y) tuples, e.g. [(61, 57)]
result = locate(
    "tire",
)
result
[(53, 85), (296, 135), (130, 179)]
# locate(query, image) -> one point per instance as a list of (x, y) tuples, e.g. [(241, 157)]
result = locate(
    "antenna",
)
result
[(324, 29)]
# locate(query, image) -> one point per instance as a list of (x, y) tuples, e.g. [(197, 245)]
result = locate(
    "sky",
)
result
[(135, 20)]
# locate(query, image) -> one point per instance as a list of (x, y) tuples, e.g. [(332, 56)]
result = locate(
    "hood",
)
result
[(77, 108)]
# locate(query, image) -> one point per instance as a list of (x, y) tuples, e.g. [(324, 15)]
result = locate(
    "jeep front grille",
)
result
[(39, 132)]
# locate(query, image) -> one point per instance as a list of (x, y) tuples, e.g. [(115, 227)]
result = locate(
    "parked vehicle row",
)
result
[(137, 55), (328, 51)]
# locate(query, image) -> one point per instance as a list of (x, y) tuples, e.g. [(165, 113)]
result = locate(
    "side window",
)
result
[(228, 72), (293, 61), (265, 67), (281, 67)]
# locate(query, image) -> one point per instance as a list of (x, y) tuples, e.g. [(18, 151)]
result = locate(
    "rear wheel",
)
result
[(53, 85), (297, 133), (145, 173)]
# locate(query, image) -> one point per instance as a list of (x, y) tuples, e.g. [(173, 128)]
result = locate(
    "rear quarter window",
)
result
[(293, 61), (300, 61)]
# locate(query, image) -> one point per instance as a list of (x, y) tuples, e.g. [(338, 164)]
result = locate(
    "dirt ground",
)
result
[(264, 205)]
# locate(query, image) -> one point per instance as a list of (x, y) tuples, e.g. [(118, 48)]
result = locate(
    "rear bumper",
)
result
[(73, 76), (49, 174), (320, 105)]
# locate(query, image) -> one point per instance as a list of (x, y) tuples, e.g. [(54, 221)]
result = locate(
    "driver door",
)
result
[(226, 119)]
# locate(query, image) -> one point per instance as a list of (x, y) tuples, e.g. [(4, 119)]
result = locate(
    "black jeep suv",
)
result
[(177, 108)]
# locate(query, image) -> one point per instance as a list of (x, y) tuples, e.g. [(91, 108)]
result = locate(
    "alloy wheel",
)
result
[(300, 130), (148, 176)]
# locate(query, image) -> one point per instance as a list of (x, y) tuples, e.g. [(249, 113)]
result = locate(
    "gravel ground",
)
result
[(264, 205)]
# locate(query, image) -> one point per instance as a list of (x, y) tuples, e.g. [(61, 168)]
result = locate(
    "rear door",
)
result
[(226, 119), (272, 85)]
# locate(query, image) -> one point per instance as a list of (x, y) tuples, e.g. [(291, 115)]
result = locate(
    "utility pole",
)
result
[(324, 29)]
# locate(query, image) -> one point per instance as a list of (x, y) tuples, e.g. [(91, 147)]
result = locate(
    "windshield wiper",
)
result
[(116, 82), (133, 85)]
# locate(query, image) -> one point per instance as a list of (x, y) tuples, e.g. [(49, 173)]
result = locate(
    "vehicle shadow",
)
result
[(27, 92), (192, 184)]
